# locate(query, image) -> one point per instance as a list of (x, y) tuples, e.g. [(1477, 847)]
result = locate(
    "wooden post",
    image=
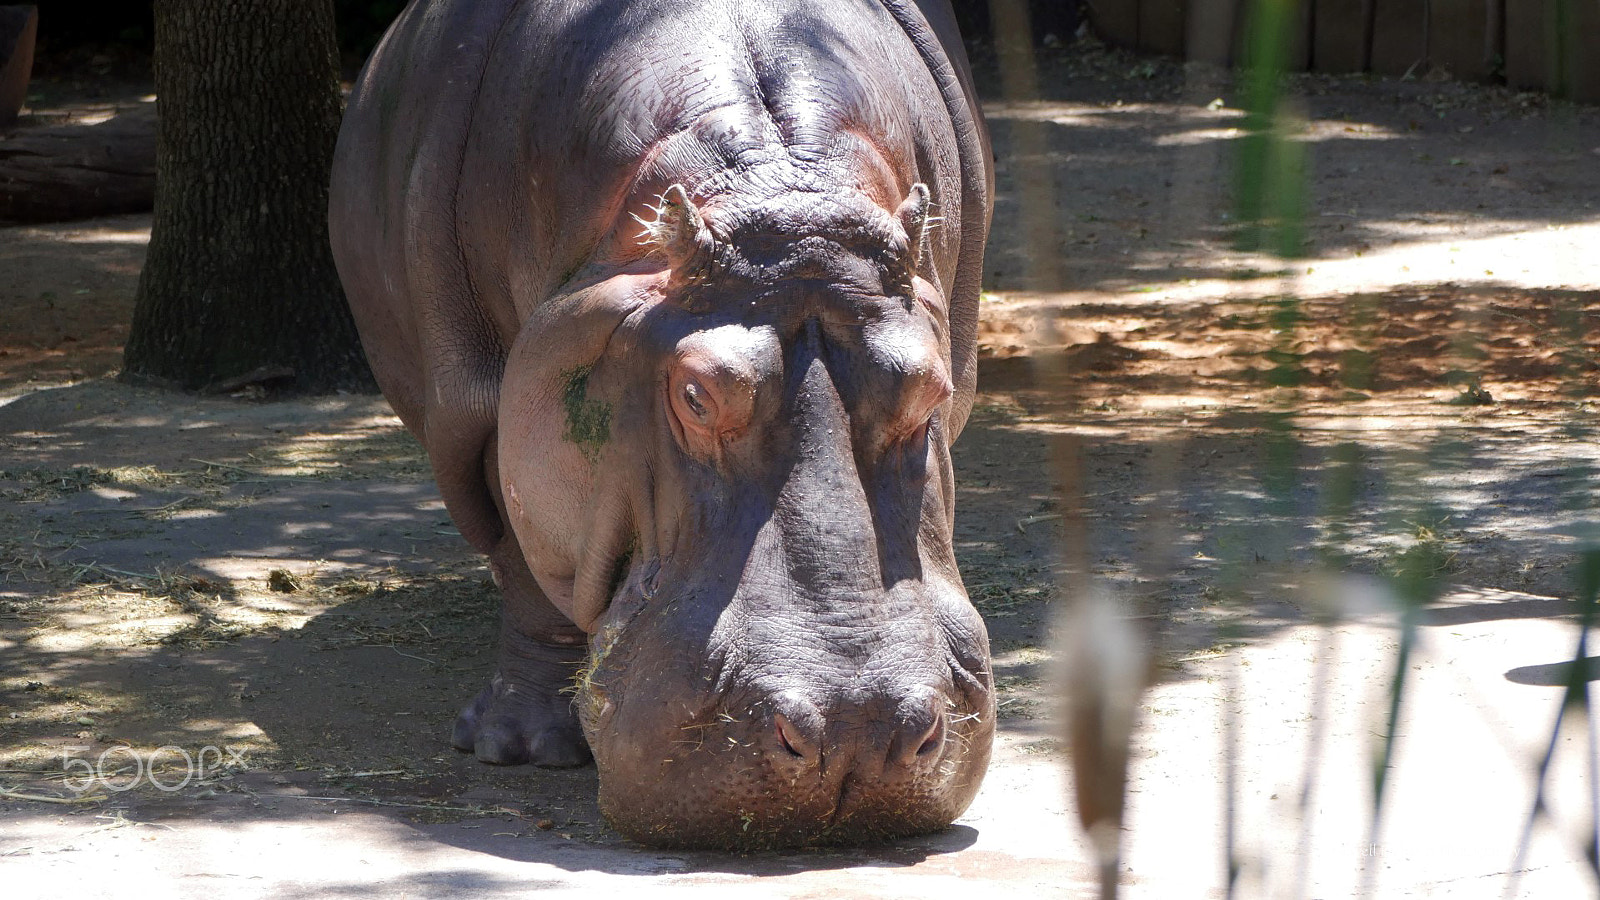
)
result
[(1311, 35), (1369, 21), (1494, 40), (1427, 36)]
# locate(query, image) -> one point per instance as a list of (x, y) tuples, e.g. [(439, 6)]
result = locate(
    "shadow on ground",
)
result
[(142, 607), (1132, 162)]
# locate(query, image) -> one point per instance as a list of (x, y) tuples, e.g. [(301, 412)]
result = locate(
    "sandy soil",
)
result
[(1239, 446)]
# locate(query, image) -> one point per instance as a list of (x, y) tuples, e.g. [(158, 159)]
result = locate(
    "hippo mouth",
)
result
[(758, 767), (717, 788)]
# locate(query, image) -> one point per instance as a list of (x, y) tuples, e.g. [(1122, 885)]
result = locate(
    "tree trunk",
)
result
[(239, 284)]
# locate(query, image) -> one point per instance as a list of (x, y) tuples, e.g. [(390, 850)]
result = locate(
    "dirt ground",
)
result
[(1241, 447)]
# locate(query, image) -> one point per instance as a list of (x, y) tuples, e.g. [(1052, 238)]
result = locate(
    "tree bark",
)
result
[(239, 284)]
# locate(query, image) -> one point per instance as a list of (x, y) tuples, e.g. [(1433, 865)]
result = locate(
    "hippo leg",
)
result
[(526, 713)]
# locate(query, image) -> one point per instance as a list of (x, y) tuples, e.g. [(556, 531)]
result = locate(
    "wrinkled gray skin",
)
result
[(681, 298)]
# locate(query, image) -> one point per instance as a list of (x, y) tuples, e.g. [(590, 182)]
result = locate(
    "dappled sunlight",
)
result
[(1392, 423), (1183, 125), (131, 235), (183, 515), (1318, 131), (1485, 251), (1138, 195), (237, 732), (384, 447), (1113, 115), (66, 300), (1198, 136), (139, 547), (1429, 249), (1461, 777), (1231, 448), (131, 230), (1483, 604)]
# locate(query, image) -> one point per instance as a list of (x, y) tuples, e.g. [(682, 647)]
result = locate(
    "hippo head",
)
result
[(727, 459)]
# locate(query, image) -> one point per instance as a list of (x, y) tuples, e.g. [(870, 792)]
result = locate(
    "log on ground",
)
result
[(63, 172)]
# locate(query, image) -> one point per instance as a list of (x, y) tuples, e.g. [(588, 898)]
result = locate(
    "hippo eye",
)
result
[(691, 397)]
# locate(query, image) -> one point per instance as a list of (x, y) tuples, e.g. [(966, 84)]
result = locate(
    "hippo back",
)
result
[(491, 147)]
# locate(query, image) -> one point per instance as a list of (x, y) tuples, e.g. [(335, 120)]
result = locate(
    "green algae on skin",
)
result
[(588, 421)]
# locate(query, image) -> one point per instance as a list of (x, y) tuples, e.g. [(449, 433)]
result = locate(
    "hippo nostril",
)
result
[(922, 732), (784, 739), (798, 725), (934, 742)]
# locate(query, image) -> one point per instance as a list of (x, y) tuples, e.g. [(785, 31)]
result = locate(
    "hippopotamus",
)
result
[(681, 298)]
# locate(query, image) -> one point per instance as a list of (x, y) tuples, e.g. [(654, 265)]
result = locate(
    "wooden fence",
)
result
[(1548, 45)]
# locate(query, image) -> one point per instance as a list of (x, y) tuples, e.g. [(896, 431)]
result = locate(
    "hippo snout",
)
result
[(883, 737), (796, 764)]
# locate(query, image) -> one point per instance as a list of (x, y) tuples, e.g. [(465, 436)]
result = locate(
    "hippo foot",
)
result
[(520, 720)]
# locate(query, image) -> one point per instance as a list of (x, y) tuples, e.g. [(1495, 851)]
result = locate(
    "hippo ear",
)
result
[(677, 230), (913, 216)]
